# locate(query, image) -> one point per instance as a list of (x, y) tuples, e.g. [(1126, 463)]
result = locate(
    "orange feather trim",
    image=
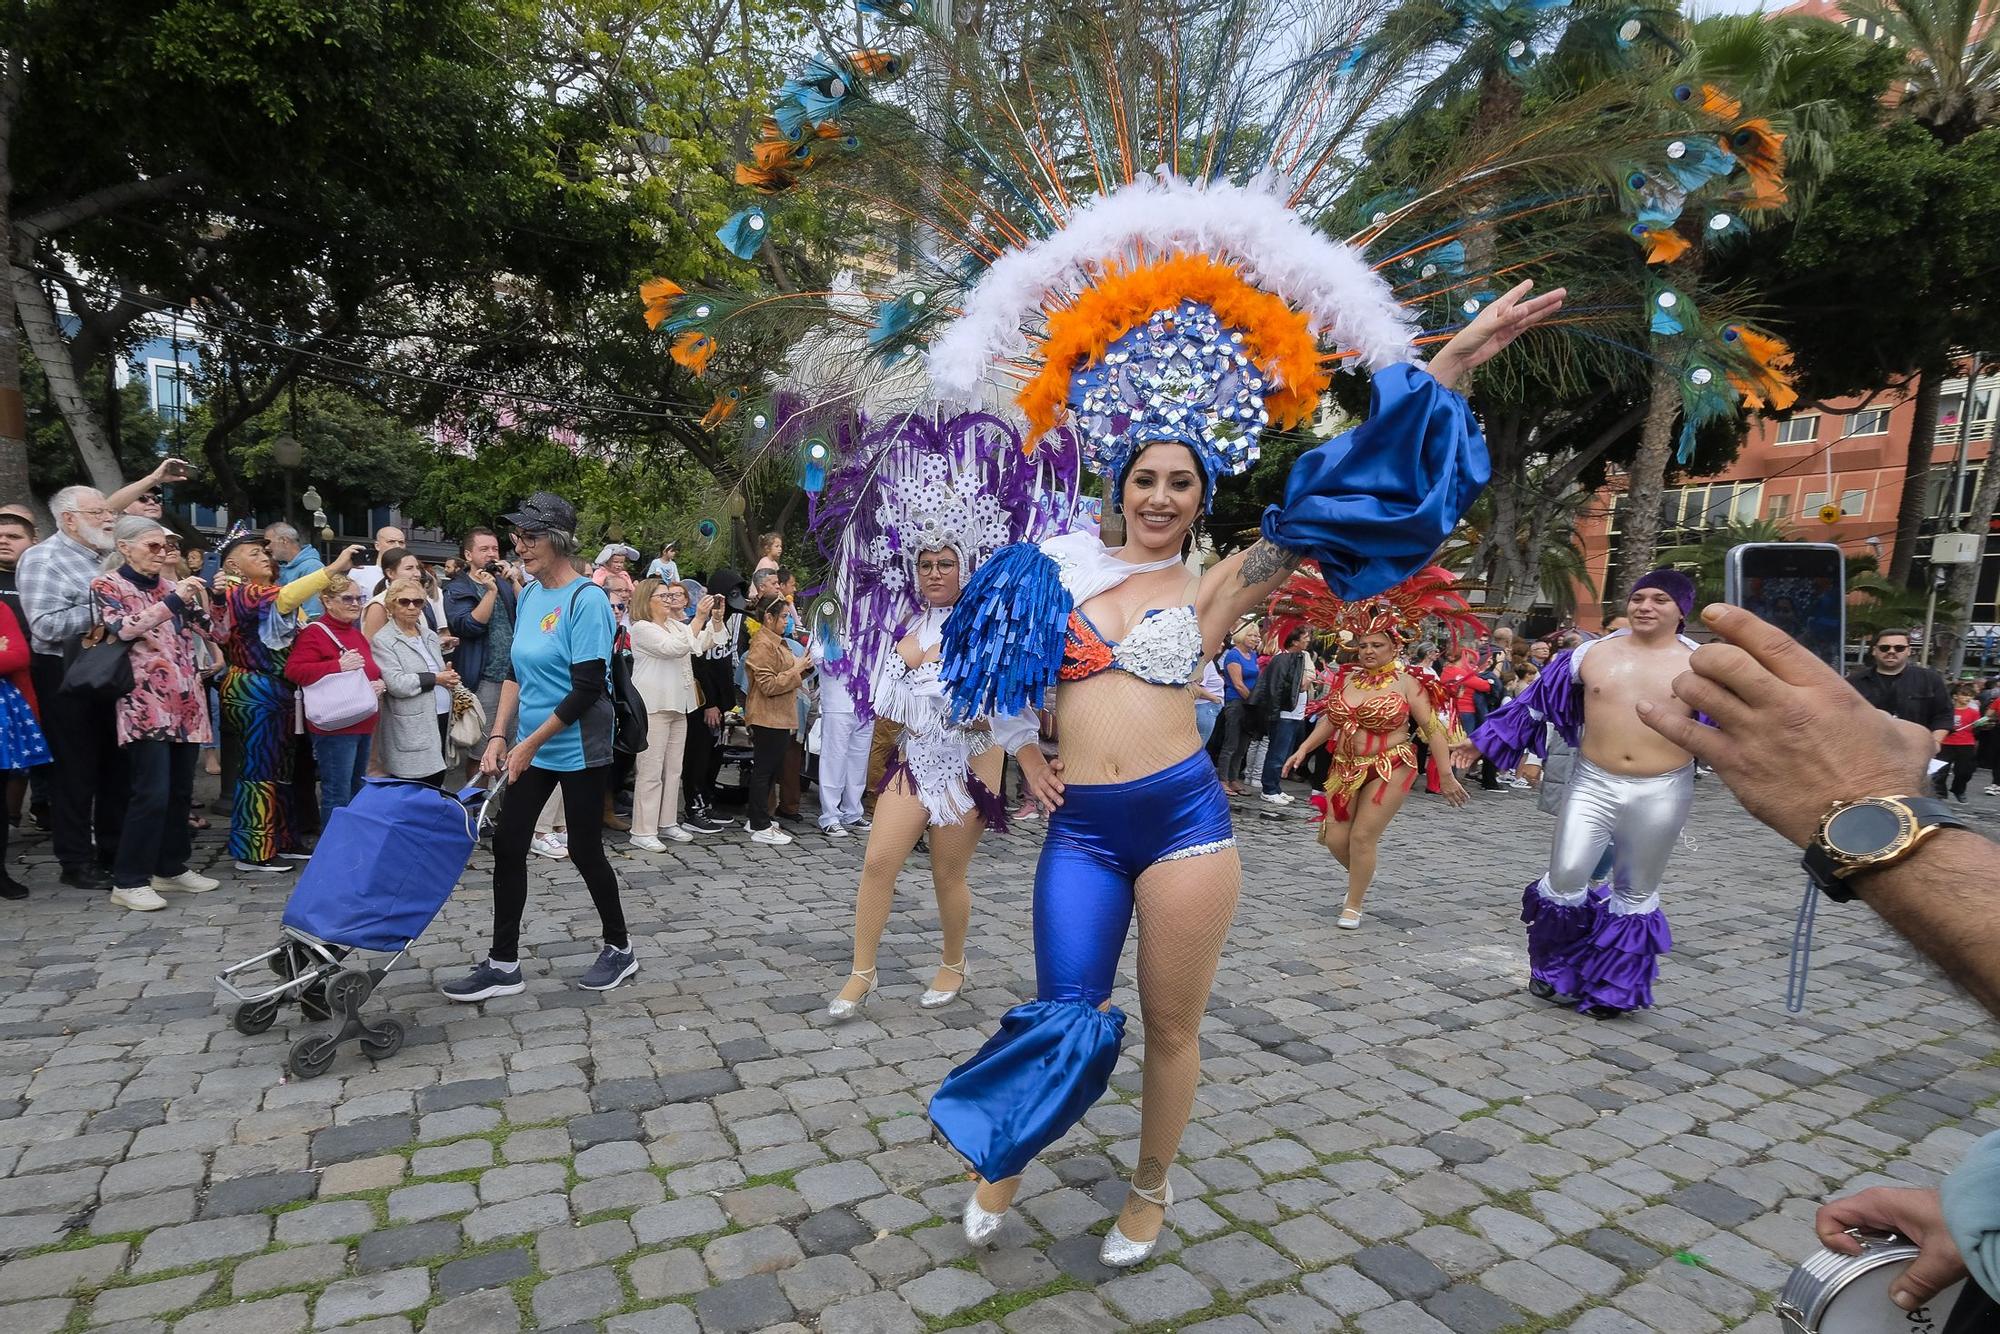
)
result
[(1770, 383), (1275, 336), (1719, 104), (874, 62), (768, 182), (1664, 245), (724, 408), (1761, 150), (659, 294), (692, 350)]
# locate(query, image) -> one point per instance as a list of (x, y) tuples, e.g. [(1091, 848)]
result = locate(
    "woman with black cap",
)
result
[(553, 729)]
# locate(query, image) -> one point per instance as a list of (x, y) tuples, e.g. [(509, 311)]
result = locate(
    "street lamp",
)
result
[(288, 454), (313, 502)]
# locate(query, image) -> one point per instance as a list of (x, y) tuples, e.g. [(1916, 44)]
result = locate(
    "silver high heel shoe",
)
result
[(932, 998), (1120, 1251), (981, 1224), (847, 1009)]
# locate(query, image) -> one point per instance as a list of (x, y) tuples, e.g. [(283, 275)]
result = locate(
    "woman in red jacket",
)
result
[(333, 643), (22, 746)]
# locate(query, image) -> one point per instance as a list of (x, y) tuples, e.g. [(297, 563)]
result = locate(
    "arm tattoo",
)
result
[(1267, 561)]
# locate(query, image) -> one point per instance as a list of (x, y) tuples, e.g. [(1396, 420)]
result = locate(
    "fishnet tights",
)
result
[(900, 820), (1114, 727), (1184, 910)]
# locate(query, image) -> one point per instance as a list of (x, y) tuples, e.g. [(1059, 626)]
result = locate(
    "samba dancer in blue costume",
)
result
[(1167, 407)]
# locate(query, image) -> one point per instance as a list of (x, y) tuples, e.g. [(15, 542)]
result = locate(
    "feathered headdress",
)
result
[(1431, 594), (1126, 223), (921, 482)]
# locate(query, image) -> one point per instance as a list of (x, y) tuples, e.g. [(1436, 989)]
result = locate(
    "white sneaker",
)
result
[(646, 841), (191, 882), (834, 831), (545, 845), (1993, 789), (673, 833), (561, 836), (140, 898), (1277, 798), (771, 834)]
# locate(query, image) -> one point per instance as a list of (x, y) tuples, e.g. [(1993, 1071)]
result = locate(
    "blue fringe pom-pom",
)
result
[(1003, 642)]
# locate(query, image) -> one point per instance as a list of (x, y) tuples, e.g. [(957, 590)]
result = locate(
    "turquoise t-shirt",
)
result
[(554, 628)]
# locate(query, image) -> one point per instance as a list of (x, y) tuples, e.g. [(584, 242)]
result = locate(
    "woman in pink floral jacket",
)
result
[(164, 720)]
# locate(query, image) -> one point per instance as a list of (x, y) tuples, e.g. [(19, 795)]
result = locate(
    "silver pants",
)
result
[(1639, 819)]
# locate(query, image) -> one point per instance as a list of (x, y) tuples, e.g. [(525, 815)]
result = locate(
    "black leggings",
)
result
[(767, 746), (583, 806)]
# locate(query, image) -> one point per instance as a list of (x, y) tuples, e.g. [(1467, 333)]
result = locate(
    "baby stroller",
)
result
[(385, 864)]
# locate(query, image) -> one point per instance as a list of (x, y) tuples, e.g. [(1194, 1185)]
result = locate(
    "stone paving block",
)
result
[(362, 1174), (490, 1270), (1345, 1291), (1585, 1271), (1662, 1309), (398, 1247), (1165, 1292), (579, 1296), (1237, 1263), (361, 1139), (475, 1313), (837, 1184), (273, 1315), (141, 1214), (1401, 1271), (814, 1284), (662, 1274), (611, 1158), (877, 1313), (764, 1204), (760, 1250), (658, 1320), (294, 1267), (45, 1316), (1402, 1318), (944, 1292), (49, 1190), (515, 1218), (676, 1220), (432, 1199), (61, 1273), (254, 1194), (148, 1299), (1466, 1308), (464, 1156), (892, 1259), (1064, 1313), (519, 1181), (1516, 1234), (328, 1221), (562, 1249), (200, 1242), (387, 1293), (742, 1305)]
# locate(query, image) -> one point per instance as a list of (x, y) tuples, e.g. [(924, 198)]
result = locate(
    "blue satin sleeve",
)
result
[(1373, 504)]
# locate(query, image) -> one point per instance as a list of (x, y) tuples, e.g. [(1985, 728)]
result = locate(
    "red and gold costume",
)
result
[(1362, 729)]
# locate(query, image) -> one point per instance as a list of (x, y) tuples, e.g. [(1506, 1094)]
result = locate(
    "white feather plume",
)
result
[(1345, 302)]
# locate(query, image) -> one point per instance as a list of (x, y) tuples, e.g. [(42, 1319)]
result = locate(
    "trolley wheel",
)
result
[(347, 991), (310, 1057), (384, 1042), (254, 1017)]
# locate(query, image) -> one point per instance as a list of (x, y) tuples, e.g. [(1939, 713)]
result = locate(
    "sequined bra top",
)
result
[(1163, 649), (1376, 713)]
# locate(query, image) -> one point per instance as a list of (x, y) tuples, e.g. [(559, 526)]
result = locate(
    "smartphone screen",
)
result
[(1800, 587)]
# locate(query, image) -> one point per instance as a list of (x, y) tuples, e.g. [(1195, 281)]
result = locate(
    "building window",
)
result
[(1781, 507), (1854, 504), (170, 392), (1800, 430), (1868, 421), (1951, 406), (1815, 501)]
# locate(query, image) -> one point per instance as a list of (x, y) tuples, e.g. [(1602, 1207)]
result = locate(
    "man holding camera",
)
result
[(479, 609)]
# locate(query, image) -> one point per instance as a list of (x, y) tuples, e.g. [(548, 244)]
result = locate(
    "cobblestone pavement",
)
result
[(1391, 1136)]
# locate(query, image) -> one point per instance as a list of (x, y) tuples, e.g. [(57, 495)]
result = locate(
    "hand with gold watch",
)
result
[(1855, 837)]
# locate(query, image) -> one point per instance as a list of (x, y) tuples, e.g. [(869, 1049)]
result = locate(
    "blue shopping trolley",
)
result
[(385, 864)]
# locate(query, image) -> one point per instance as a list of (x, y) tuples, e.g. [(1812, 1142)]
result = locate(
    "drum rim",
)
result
[(1821, 1276)]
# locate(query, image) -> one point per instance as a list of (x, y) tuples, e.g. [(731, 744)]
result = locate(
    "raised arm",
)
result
[(1238, 585)]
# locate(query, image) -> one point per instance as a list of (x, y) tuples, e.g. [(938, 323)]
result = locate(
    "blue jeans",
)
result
[(1284, 739), (343, 763), (1205, 715)]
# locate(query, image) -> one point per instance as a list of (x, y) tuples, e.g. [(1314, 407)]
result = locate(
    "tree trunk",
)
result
[(1962, 589), (1648, 476), (13, 409), (37, 314), (1917, 470)]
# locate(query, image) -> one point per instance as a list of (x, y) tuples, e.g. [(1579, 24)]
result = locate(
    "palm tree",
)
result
[(1770, 65), (1954, 46)]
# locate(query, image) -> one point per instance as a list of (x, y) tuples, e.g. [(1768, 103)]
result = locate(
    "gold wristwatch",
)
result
[(1869, 834)]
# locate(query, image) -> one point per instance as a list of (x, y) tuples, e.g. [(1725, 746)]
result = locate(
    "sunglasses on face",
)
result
[(348, 600), (1892, 648), (155, 547), (409, 602), (152, 498)]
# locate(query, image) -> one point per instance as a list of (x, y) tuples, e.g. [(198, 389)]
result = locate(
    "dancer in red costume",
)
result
[(1367, 714)]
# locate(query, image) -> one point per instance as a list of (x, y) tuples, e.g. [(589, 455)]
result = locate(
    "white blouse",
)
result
[(662, 669)]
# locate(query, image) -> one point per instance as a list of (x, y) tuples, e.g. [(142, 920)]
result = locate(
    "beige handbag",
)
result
[(468, 720)]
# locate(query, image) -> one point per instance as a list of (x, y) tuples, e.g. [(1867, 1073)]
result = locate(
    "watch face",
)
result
[(1864, 830)]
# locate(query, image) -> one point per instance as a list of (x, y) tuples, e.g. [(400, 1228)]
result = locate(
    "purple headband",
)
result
[(1671, 582)]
